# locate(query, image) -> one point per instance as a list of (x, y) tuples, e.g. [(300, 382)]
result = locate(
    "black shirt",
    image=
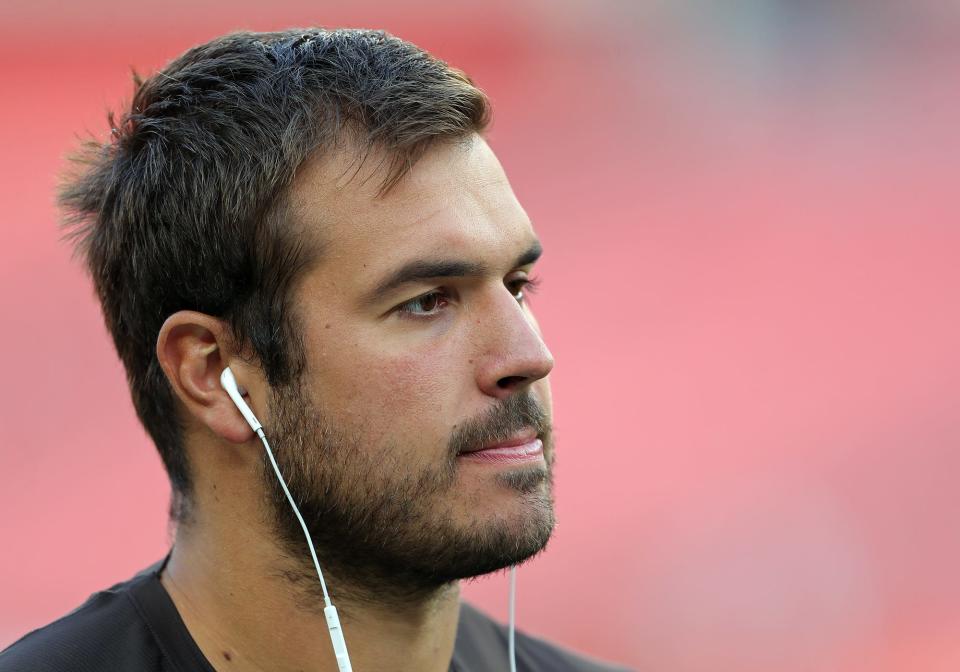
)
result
[(134, 626)]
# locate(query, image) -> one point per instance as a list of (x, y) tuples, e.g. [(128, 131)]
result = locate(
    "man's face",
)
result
[(420, 349)]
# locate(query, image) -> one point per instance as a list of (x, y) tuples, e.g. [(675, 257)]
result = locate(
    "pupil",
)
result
[(428, 303)]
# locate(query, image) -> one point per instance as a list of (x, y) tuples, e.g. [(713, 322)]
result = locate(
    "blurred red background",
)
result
[(750, 286)]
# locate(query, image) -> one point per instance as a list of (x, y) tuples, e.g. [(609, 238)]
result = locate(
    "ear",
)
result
[(193, 349)]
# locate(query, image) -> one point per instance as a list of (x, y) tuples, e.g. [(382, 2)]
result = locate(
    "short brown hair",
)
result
[(182, 209)]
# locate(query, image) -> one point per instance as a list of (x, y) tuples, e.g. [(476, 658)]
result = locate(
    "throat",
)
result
[(270, 619)]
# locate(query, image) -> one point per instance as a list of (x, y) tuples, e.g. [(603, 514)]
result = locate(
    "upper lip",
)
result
[(519, 438)]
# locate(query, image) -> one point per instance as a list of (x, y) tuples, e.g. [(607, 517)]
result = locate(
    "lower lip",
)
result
[(522, 454)]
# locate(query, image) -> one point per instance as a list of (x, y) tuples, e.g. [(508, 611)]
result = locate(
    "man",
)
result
[(318, 211)]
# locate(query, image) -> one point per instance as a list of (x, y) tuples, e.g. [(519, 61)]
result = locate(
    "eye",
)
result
[(424, 305), (521, 286)]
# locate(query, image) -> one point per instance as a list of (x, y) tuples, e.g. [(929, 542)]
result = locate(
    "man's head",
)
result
[(318, 210)]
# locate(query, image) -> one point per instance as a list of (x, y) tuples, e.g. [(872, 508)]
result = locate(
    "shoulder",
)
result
[(480, 638), (104, 633)]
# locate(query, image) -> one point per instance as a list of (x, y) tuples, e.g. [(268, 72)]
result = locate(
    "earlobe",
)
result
[(191, 351)]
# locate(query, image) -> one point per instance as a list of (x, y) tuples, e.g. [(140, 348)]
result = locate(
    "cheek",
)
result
[(402, 398), (411, 379)]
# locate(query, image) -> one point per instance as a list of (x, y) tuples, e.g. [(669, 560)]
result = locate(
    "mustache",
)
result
[(516, 412)]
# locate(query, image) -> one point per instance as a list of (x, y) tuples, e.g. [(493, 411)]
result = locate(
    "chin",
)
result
[(523, 542), (510, 532)]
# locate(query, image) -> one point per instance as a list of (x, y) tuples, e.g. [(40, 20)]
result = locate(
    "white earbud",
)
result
[(229, 383)]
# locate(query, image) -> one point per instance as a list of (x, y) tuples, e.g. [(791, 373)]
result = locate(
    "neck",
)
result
[(247, 607)]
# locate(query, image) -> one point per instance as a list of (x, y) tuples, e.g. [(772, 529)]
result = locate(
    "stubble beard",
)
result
[(384, 534)]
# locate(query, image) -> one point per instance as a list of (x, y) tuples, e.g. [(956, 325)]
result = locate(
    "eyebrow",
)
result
[(428, 269)]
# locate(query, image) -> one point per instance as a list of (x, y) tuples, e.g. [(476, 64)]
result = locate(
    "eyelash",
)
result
[(526, 285)]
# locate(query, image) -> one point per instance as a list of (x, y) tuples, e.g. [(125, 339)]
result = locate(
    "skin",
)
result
[(397, 372)]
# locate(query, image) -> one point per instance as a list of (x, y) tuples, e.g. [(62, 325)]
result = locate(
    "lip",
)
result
[(508, 453), (521, 438)]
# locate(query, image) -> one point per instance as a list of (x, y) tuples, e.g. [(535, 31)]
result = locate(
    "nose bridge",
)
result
[(511, 348)]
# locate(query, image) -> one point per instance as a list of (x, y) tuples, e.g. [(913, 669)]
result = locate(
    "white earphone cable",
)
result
[(229, 384), (511, 635), (330, 611), (306, 533)]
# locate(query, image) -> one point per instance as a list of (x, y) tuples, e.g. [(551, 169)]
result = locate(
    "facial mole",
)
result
[(227, 656), (326, 326)]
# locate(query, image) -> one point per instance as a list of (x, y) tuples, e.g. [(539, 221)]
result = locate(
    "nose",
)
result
[(513, 353)]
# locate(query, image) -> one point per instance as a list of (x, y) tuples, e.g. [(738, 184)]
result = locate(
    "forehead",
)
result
[(455, 199)]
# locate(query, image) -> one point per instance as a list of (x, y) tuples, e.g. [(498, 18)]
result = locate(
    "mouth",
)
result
[(520, 438), (522, 446)]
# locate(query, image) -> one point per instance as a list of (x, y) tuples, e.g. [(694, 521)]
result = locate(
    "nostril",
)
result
[(510, 381)]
